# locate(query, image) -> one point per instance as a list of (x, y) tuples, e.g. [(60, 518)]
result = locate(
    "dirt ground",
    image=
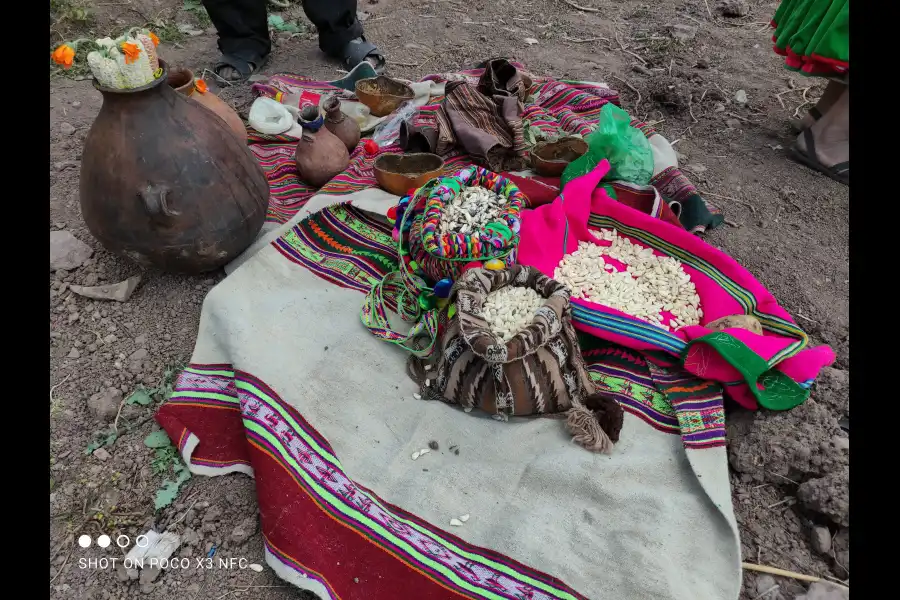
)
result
[(677, 63)]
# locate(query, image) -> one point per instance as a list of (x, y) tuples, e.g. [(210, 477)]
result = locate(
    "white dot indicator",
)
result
[(122, 541), (84, 541), (146, 541), (103, 541)]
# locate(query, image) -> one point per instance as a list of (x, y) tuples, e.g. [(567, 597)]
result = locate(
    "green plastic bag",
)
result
[(626, 147)]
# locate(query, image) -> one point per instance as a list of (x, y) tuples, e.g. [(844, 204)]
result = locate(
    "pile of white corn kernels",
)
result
[(510, 309), (650, 285), (470, 210)]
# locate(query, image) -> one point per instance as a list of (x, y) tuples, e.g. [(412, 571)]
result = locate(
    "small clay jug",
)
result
[(320, 154), (339, 124), (182, 80)]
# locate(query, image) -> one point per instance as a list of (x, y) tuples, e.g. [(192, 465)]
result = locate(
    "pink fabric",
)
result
[(543, 237)]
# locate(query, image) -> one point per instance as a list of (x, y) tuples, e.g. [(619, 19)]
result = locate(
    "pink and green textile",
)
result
[(773, 370)]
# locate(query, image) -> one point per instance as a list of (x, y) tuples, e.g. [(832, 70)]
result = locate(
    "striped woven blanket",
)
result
[(554, 108), (287, 386)]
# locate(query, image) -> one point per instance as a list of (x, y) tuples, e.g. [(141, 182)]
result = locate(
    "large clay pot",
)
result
[(166, 183), (320, 155), (182, 80), (340, 124)]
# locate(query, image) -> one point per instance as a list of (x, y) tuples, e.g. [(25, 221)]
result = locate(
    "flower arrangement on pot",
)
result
[(127, 62)]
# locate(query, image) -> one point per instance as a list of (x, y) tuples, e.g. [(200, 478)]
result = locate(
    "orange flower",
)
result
[(64, 56), (201, 86), (131, 52), (153, 37)]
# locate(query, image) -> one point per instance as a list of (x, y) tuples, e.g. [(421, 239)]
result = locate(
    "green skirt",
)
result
[(814, 36)]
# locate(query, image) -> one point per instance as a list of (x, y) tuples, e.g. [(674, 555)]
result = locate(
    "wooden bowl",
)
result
[(550, 159), (382, 94), (398, 173)]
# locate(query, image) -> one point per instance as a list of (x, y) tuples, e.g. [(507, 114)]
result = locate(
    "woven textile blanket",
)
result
[(775, 369), (554, 108), (287, 386)]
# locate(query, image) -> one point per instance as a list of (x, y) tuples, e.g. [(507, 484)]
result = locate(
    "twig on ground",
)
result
[(587, 40), (785, 501), (637, 56), (119, 414), (57, 385), (747, 204), (783, 477), (783, 573), (671, 64), (731, 223), (632, 88), (217, 76), (63, 566), (709, 12), (181, 518), (805, 318), (778, 97), (577, 7), (691, 112), (739, 117)]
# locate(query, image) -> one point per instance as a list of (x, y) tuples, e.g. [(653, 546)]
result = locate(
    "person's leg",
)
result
[(243, 30), (340, 32), (832, 92), (830, 136)]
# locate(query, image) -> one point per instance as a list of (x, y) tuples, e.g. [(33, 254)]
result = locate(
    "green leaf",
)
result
[(169, 491), (165, 495), (277, 22), (157, 439), (140, 396)]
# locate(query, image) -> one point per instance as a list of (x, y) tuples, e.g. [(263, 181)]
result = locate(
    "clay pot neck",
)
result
[(181, 80), (332, 108), (156, 88)]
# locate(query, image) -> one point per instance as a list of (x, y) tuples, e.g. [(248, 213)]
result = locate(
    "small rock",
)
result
[(641, 69), (821, 539), (140, 341), (719, 107), (67, 129), (122, 573), (244, 531), (530, 41), (65, 164), (67, 252), (740, 97), (105, 405), (733, 123), (110, 339), (133, 574), (748, 322), (149, 575), (433, 445), (74, 353), (682, 33), (189, 30), (764, 583), (120, 292), (102, 454), (702, 64), (76, 104), (696, 168), (733, 9), (824, 591), (139, 354)]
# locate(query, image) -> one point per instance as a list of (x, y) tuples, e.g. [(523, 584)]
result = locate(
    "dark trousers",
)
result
[(244, 29)]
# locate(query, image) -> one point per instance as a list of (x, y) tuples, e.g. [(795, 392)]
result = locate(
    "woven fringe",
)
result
[(586, 431), (596, 427)]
